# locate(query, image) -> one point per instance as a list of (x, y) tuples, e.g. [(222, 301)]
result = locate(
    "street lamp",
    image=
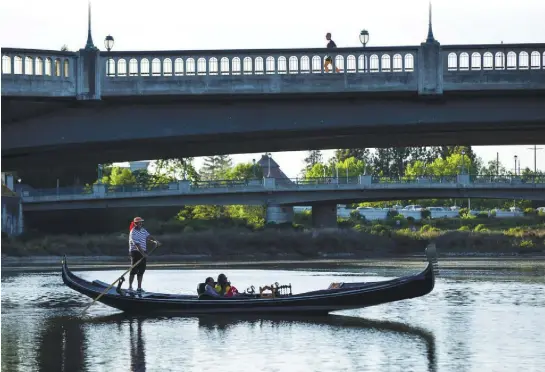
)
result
[(253, 160), (516, 164), (463, 161), (109, 44), (364, 37)]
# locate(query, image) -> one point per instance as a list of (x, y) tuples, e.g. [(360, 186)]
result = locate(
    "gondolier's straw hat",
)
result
[(138, 219)]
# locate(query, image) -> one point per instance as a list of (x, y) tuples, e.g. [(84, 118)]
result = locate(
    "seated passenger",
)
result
[(224, 287), (209, 287)]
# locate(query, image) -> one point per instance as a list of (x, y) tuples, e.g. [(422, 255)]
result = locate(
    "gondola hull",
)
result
[(349, 296)]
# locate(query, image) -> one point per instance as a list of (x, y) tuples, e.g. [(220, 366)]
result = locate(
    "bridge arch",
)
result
[(259, 68), (293, 65), (305, 65), (6, 64), (167, 67), (144, 67), (121, 67), (201, 66), (213, 66), (247, 66), (282, 65)]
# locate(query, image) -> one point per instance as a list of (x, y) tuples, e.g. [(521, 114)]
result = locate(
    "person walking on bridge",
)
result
[(329, 59), (138, 238)]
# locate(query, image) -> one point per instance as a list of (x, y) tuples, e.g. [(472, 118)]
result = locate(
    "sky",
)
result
[(243, 24)]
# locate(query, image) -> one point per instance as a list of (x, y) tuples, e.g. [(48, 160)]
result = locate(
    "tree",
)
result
[(245, 171), (450, 166), (362, 154), (119, 176), (215, 167), (314, 157), (171, 169), (494, 168), (354, 166), (391, 161), (64, 48)]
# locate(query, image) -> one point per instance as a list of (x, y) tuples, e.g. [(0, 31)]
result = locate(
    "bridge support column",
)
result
[(88, 84), (324, 215), (279, 214), (462, 179), (430, 67), (366, 180), (99, 190), (184, 186)]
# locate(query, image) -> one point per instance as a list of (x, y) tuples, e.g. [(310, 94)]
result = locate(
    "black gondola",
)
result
[(339, 296)]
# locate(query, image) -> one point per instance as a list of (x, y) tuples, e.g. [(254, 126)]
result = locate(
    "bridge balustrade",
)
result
[(258, 62), (44, 72), (298, 184), (493, 67)]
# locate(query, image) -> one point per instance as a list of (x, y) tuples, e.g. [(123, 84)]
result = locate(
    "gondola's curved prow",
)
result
[(321, 301)]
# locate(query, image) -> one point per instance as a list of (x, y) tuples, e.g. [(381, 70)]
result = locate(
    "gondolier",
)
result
[(138, 238)]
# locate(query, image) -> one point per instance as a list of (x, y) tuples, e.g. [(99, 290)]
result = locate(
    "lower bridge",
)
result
[(287, 192)]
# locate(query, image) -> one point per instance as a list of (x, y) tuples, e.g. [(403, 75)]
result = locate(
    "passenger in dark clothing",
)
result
[(329, 59), (209, 288)]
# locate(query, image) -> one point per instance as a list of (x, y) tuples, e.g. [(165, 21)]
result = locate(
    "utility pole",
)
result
[(535, 148)]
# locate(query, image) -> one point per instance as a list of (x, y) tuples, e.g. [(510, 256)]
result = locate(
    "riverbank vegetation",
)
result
[(224, 238), (241, 231)]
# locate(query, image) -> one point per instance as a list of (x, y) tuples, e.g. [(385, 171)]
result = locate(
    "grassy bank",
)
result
[(357, 241)]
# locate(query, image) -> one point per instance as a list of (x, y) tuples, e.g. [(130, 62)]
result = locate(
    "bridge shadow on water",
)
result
[(64, 343)]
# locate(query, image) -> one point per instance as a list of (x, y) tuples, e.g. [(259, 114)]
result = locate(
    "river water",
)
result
[(472, 321)]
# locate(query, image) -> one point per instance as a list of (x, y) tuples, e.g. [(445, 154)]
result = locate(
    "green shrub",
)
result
[(517, 232), (463, 212), (464, 228), (480, 228), (379, 229), (428, 229), (527, 244), (344, 223), (530, 212)]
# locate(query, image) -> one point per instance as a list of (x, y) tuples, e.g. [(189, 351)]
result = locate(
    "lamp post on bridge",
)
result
[(253, 168), (516, 164), (463, 161), (364, 37), (108, 44)]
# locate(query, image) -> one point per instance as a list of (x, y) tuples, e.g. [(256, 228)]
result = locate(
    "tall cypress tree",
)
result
[(314, 157), (215, 167)]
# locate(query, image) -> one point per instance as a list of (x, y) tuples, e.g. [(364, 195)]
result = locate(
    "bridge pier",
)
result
[(279, 214), (324, 215)]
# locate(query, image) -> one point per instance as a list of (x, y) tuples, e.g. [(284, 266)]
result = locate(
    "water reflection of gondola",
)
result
[(63, 341), (222, 323)]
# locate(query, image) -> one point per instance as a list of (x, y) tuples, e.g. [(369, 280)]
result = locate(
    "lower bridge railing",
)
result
[(285, 184)]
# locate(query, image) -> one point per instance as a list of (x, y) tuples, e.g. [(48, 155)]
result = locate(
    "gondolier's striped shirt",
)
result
[(138, 236)]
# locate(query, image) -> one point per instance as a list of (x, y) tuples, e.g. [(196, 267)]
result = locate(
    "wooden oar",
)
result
[(107, 289)]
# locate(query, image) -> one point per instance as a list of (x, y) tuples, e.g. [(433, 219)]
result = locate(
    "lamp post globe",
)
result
[(364, 37), (109, 42)]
